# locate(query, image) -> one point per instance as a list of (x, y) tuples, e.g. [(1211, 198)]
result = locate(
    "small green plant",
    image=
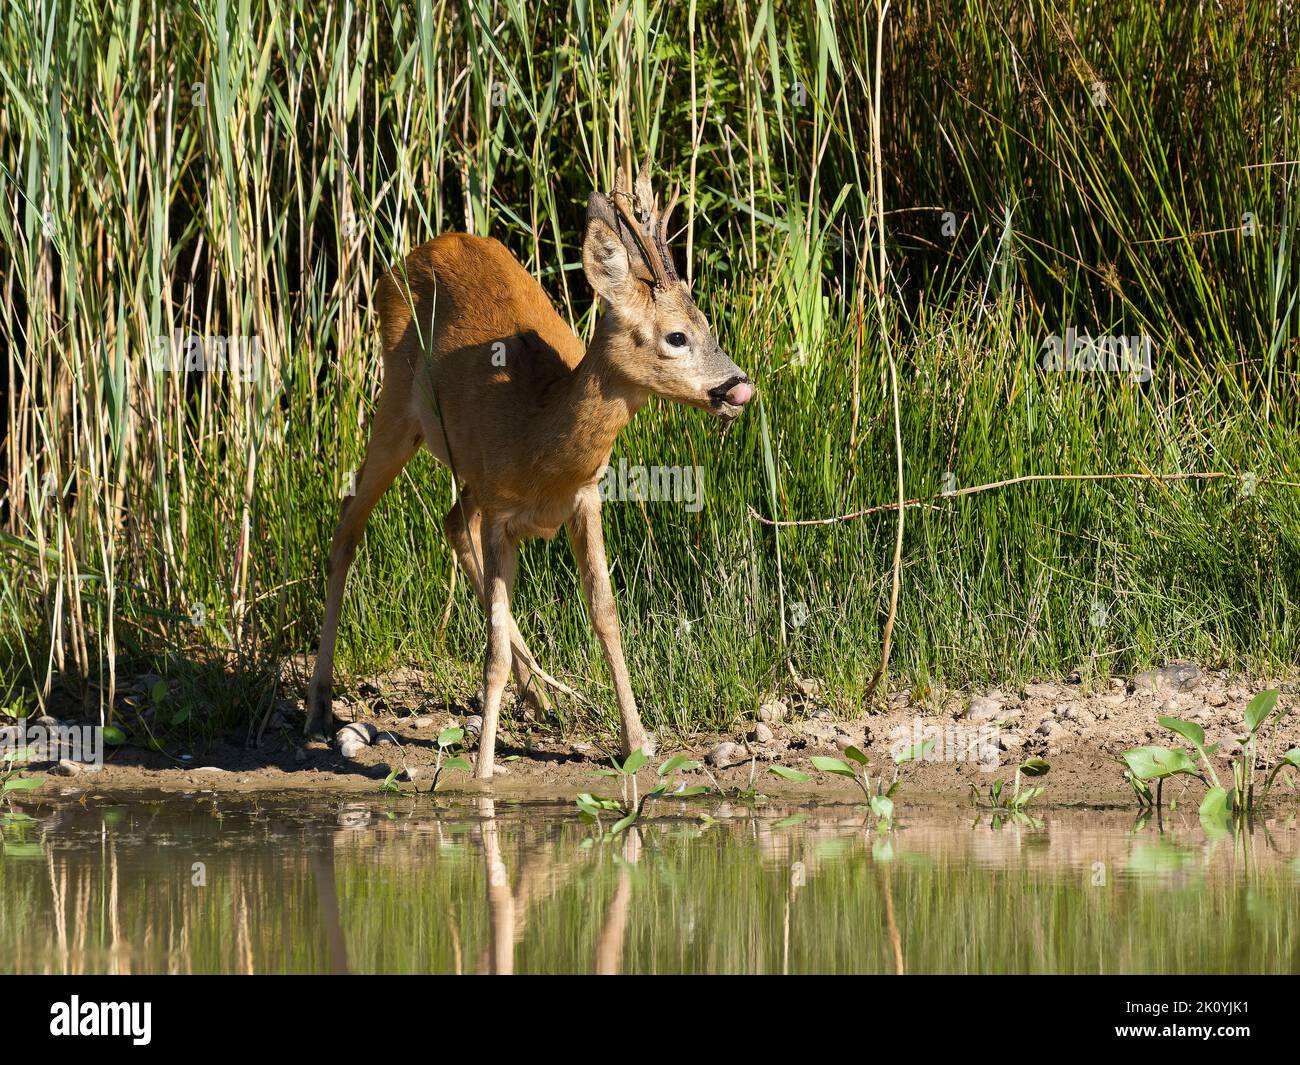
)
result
[(749, 794), (10, 781), (630, 808), (879, 796), (1018, 799), (449, 739), (1142, 765)]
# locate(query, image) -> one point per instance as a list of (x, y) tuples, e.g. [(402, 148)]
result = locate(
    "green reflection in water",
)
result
[(394, 885)]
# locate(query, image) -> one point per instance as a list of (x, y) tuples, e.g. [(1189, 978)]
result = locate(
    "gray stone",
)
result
[(983, 708), (362, 730), (1175, 677), (761, 733), (772, 713), (724, 754), (66, 767)]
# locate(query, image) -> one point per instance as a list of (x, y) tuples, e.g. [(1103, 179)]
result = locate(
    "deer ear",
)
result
[(605, 261)]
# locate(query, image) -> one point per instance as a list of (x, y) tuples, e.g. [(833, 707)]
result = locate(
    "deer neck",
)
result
[(593, 405)]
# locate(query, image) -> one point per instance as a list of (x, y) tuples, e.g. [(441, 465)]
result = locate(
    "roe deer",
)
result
[(480, 368)]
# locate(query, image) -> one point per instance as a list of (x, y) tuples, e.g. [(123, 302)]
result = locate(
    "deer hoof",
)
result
[(320, 714), (537, 704)]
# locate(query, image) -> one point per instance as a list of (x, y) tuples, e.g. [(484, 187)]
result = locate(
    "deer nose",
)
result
[(740, 393), (735, 390)]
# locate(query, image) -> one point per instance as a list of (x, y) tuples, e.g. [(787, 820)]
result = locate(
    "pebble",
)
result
[(1049, 728), (761, 733), (723, 755), (362, 730), (819, 731), (820, 714), (983, 708), (422, 722), (1177, 676), (1044, 691), (473, 725), (772, 713), (69, 768)]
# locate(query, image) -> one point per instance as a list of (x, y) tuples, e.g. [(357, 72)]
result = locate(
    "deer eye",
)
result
[(676, 340)]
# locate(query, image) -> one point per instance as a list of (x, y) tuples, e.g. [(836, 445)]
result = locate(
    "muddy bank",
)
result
[(976, 739)]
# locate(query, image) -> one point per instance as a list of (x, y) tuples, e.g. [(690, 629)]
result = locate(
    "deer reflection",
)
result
[(540, 876), (609, 944)]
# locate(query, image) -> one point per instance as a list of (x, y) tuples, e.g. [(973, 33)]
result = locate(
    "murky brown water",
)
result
[(202, 884)]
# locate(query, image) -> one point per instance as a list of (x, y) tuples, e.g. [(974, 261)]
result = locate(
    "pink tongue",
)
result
[(741, 394)]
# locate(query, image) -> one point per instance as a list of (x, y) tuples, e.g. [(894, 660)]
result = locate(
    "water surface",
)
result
[(205, 884)]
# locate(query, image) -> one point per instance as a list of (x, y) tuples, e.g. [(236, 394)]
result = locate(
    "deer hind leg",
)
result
[(463, 525), (393, 440), (500, 557)]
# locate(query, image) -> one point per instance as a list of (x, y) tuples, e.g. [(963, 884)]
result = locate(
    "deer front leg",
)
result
[(588, 541), (500, 556)]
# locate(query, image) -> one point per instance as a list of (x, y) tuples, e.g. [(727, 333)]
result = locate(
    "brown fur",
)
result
[(526, 440)]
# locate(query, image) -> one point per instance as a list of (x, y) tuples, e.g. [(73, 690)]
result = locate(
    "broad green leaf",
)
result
[(1260, 707), (786, 773), (23, 783), (158, 692), (635, 761), (1292, 757), (1217, 803), (691, 792), (832, 765), (182, 715), (678, 762), (114, 736), (625, 823), (855, 755), (1035, 767), (1216, 811), (449, 737), (1154, 763), (459, 762), (1189, 730), (915, 752), (882, 806)]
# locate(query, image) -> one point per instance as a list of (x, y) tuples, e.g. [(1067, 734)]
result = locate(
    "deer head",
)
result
[(655, 336)]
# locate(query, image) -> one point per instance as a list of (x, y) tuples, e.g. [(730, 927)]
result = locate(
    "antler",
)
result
[(651, 233)]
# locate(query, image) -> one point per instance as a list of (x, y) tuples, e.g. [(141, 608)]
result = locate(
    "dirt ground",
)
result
[(977, 739)]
